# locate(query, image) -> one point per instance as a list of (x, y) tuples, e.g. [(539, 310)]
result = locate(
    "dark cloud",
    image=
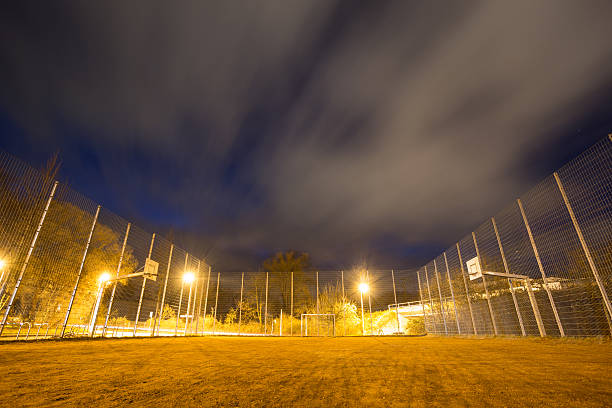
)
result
[(351, 131)]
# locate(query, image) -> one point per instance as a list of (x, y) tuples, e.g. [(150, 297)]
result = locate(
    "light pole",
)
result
[(188, 278), (363, 288), (101, 285)]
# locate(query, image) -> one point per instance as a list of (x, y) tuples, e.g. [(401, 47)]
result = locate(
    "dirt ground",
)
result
[(307, 372)]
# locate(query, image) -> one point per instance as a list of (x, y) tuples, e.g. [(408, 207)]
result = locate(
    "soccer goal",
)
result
[(313, 324)]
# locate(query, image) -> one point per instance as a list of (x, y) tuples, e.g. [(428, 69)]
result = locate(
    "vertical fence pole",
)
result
[(199, 304), (536, 309), (240, 304), (539, 261), (291, 311), (112, 298), (27, 258), (396, 305), (318, 317), (178, 314), (163, 299), (216, 302), (442, 309), (510, 284), (467, 291), (585, 248), (280, 326), (450, 285), (78, 278), (266, 308), (343, 306), (195, 298), (421, 297), (188, 309), (484, 284), (431, 308), (144, 282), (370, 301), (206, 298)]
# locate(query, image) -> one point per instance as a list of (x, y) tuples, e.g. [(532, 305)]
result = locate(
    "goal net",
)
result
[(321, 324)]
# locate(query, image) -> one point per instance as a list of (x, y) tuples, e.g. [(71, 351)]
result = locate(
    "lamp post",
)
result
[(188, 278), (363, 288), (101, 285)]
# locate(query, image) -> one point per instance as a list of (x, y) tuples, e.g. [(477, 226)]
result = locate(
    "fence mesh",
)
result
[(69, 267)]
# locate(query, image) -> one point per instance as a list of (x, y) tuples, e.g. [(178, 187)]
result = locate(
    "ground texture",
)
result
[(307, 372)]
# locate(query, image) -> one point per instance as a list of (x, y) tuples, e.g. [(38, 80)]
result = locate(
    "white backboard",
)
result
[(473, 268), (150, 269)]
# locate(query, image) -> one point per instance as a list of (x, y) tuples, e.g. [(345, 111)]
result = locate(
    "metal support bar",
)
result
[(396, 305), (163, 298), (484, 284), (503, 256), (467, 291), (343, 306), (452, 294), (206, 298), (178, 314), (442, 311), (188, 309), (421, 297), (112, 298), (541, 268), (216, 301), (27, 258), (536, 309), (585, 248), (240, 304), (199, 304), (144, 282), (369, 300), (318, 323), (431, 308), (78, 278), (291, 311)]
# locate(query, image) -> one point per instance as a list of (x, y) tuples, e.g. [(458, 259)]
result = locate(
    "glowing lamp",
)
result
[(188, 277), (364, 287)]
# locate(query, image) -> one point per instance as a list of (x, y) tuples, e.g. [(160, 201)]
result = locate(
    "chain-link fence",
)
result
[(540, 267)]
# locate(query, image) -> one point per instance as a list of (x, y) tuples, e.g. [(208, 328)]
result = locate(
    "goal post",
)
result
[(318, 324)]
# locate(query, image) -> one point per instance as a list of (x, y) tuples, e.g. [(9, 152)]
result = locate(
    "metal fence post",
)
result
[(484, 284), (431, 308), (27, 258), (539, 261), (216, 301), (199, 304), (291, 311), (450, 285), (178, 313), (396, 305), (421, 297), (467, 291), (240, 304), (188, 309), (78, 278), (112, 298), (144, 282), (503, 256), (343, 306), (206, 299), (266, 308), (318, 317), (370, 301), (585, 248), (195, 298), (442, 310), (163, 299), (536, 309)]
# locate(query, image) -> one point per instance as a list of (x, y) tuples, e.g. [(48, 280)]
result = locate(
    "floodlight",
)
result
[(188, 277), (105, 277), (364, 287), (2, 263)]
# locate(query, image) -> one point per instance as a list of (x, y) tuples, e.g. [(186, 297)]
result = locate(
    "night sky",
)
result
[(360, 132)]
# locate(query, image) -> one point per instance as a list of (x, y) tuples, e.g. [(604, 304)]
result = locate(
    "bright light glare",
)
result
[(188, 277), (364, 287), (105, 277), (2, 263)]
